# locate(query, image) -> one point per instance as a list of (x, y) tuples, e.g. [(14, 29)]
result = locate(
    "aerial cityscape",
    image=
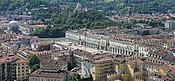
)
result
[(87, 40)]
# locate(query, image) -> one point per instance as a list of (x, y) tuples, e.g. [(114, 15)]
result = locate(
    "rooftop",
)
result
[(12, 58), (53, 62), (49, 72), (80, 47)]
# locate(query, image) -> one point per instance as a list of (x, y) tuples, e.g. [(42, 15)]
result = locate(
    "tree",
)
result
[(2, 31), (75, 77), (127, 25), (35, 67), (33, 60), (62, 21)]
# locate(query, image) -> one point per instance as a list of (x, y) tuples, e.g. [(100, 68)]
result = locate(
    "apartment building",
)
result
[(144, 55), (162, 56), (135, 70), (102, 66), (14, 68), (122, 67), (97, 65)]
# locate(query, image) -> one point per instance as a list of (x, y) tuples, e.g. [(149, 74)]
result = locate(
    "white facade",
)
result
[(86, 68), (170, 24), (116, 47)]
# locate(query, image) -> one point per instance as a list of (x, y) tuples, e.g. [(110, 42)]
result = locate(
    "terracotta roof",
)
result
[(102, 59), (160, 53), (12, 58), (137, 61), (173, 67), (43, 53), (50, 67), (49, 72), (47, 75), (152, 64), (82, 53), (53, 62)]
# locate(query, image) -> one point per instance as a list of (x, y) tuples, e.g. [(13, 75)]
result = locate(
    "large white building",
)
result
[(110, 44), (170, 24)]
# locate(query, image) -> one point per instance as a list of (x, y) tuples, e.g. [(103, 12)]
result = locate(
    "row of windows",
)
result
[(21, 64), (23, 67), (41, 79), (23, 70)]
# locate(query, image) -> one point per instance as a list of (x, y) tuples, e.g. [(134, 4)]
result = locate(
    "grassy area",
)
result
[(53, 39)]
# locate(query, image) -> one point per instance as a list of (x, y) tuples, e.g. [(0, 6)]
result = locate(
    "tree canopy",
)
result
[(62, 21), (34, 62), (2, 31), (136, 6)]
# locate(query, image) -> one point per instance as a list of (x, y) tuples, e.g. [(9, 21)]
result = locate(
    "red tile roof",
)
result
[(49, 72), (12, 58), (47, 75), (173, 67)]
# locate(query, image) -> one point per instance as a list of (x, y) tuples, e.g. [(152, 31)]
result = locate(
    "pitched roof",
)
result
[(15, 58), (49, 72)]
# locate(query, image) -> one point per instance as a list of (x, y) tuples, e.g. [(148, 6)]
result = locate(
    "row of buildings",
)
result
[(23, 27), (16, 46), (15, 49), (106, 67), (128, 56), (139, 54)]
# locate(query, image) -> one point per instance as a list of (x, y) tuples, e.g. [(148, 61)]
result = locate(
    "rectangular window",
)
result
[(23, 67)]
